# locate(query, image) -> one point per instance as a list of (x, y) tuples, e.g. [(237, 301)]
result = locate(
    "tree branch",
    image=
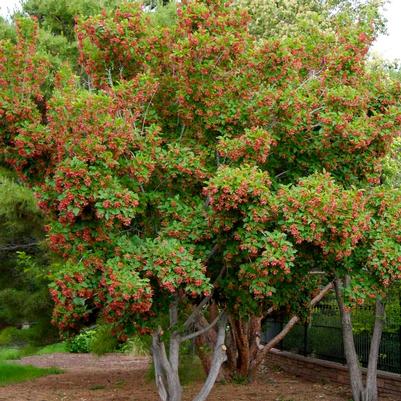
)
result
[(201, 331), (19, 246), (219, 357), (192, 316), (290, 324)]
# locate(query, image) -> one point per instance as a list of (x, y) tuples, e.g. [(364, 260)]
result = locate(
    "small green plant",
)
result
[(103, 341), (238, 379), (191, 369), (12, 353), (35, 335), (136, 346), (8, 353), (6, 335), (97, 387), (81, 343)]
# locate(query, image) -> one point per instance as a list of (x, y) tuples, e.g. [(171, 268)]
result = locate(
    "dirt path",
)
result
[(124, 378)]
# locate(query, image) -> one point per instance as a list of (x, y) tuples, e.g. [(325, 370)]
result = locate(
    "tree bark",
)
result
[(159, 374), (242, 345), (219, 356), (175, 389), (166, 376), (359, 391), (355, 374), (264, 349), (230, 365), (204, 343), (370, 393), (255, 329), (166, 367), (240, 328)]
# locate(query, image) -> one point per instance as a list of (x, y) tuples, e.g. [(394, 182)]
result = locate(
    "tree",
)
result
[(24, 295), (56, 24), (285, 18), (202, 175), (362, 251)]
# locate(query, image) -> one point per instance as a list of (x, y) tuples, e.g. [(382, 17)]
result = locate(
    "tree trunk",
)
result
[(166, 366), (219, 356), (359, 391), (370, 393), (166, 373), (264, 349), (240, 329), (202, 350), (230, 365), (255, 331), (160, 377), (355, 373), (244, 350), (243, 347), (204, 343)]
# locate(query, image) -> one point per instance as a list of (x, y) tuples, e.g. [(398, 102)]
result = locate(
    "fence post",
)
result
[(399, 336), (399, 351)]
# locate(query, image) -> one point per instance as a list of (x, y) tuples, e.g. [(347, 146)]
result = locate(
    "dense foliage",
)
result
[(237, 120), (199, 162), (24, 296), (290, 18)]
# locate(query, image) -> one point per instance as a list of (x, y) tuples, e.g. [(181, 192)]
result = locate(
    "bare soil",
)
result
[(124, 378)]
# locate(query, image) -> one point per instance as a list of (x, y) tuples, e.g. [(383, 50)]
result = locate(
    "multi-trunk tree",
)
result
[(204, 175)]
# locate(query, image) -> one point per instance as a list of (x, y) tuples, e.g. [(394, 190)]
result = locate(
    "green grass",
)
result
[(12, 353), (7, 353), (52, 348), (13, 373)]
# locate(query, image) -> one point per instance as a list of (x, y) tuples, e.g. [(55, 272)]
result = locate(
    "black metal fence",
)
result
[(321, 338)]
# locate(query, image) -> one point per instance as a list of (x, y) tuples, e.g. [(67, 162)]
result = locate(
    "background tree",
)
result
[(24, 296), (286, 18)]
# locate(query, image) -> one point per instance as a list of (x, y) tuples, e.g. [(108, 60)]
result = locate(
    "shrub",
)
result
[(81, 342), (136, 346), (103, 341), (7, 335)]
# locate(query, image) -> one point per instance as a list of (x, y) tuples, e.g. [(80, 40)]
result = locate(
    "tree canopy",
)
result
[(201, 165)]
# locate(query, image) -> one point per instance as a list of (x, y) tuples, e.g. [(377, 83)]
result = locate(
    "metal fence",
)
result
[(321, 338)]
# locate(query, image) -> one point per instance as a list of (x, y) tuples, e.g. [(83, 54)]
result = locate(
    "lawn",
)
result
[(11, 353), (12, 373)]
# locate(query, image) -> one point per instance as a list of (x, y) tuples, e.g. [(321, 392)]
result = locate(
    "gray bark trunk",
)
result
[(355, 373), (359, 391), (166, 366), (370, 393), (159, 374), (166, 376), (173, 378), (219, 357)]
